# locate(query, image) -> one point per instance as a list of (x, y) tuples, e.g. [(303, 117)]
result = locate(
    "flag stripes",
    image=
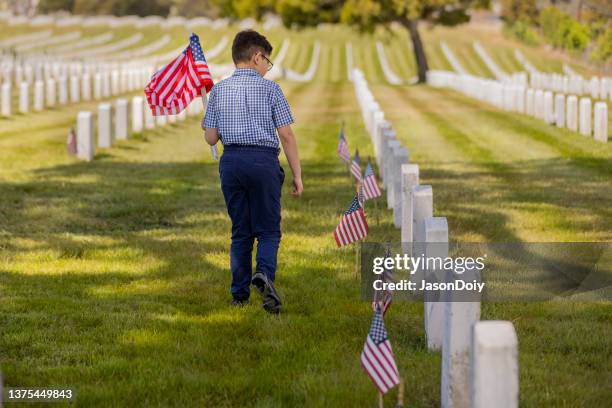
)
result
[(174, 86), (370, 184), (377, 357), (352, 226)]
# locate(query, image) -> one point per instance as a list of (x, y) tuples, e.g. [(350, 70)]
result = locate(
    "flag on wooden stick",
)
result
[(343, 151), (370, 184), (352, 226), (377, 357), (174, 86), (356, 166)]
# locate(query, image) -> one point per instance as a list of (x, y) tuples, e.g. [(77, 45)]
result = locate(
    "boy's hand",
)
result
[(298, 187)]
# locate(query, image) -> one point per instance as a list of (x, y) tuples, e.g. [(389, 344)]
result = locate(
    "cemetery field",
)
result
[(114, 275)]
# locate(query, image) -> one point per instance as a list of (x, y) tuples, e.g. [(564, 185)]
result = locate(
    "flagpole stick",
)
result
[(357, 259), (380, 400), (213, 148), (400, 394)]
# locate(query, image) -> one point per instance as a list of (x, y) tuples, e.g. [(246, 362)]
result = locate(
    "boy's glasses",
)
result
[(270, 64)]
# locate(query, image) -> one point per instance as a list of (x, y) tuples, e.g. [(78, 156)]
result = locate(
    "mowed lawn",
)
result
[(114, 274)]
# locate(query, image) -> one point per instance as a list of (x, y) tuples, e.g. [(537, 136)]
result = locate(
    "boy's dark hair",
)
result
[(247, 43)]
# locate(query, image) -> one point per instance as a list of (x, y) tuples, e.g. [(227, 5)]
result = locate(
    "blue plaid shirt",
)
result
[(247, 109)]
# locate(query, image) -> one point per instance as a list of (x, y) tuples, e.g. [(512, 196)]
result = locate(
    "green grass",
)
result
[(114, 274)]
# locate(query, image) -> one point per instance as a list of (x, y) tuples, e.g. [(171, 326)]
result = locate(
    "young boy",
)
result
[(245, 111)]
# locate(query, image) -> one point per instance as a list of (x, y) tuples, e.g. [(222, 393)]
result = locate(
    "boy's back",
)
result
[(245, 112)]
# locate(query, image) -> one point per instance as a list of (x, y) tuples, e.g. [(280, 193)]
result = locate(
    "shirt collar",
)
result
[(246, 71)]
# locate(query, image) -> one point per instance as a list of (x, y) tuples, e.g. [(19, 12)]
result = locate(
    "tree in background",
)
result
[(366, 14)]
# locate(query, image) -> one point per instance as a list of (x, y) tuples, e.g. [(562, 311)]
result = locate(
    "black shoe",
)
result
[(238, 302), (271, 300)]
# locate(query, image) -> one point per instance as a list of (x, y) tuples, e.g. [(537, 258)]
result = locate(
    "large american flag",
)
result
[(352, 226), (370, 185), (178, 83), (377, 356), (356, 166), (343, 151)]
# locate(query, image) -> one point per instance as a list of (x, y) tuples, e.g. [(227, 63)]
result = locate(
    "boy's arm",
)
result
[(289, 143), (211, 135)]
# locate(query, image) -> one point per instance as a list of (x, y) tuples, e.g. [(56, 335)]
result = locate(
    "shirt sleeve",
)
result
[(211, 117), (281, 113)]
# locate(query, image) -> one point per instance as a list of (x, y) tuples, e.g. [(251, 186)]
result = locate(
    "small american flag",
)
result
[(343, 151), (361, 196), (377, 356), (356, 166), (370, 185), (352, 226), (174, 86)]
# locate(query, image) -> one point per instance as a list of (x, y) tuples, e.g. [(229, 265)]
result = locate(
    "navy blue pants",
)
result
[(251, 181)]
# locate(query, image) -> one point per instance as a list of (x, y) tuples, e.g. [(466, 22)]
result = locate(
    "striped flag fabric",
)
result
[(343, 151), (370, 184), (352, 226), (356, 166), (174, 86), (361, 196), (377, 356)]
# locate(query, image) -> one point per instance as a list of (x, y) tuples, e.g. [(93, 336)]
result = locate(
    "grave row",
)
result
[(117, 121), (578, 115), (74, 89), (479, 358)]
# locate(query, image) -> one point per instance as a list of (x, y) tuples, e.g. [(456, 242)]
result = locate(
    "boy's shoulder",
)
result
[(259, 80)]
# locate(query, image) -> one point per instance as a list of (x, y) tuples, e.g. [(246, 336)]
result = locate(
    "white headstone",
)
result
[(390, 173), (161, 120), (50, 92), (39, 95), (137, 114), (400, 157), (601, 122), (529, 102), (149, 118), (436, 238), (585, 116), (106, 85), (63, 90), (7, 100), (75, 89), (121, 119), (572, 113), (24, 97), (494, 368), (595, 87), (422, 208), (560, 110), (519, 96), (85, 136), (410, 178), (105, 125), (98, 86), (549, 112), (86, 87), (459, 319), (538, 107), (115, 85)]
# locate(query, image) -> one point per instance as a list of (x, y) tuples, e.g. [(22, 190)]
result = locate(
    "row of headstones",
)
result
[(121, 74), (113, 21), (553, 109), (50, 93), (479, 358), (597, 87), (113, 123)]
